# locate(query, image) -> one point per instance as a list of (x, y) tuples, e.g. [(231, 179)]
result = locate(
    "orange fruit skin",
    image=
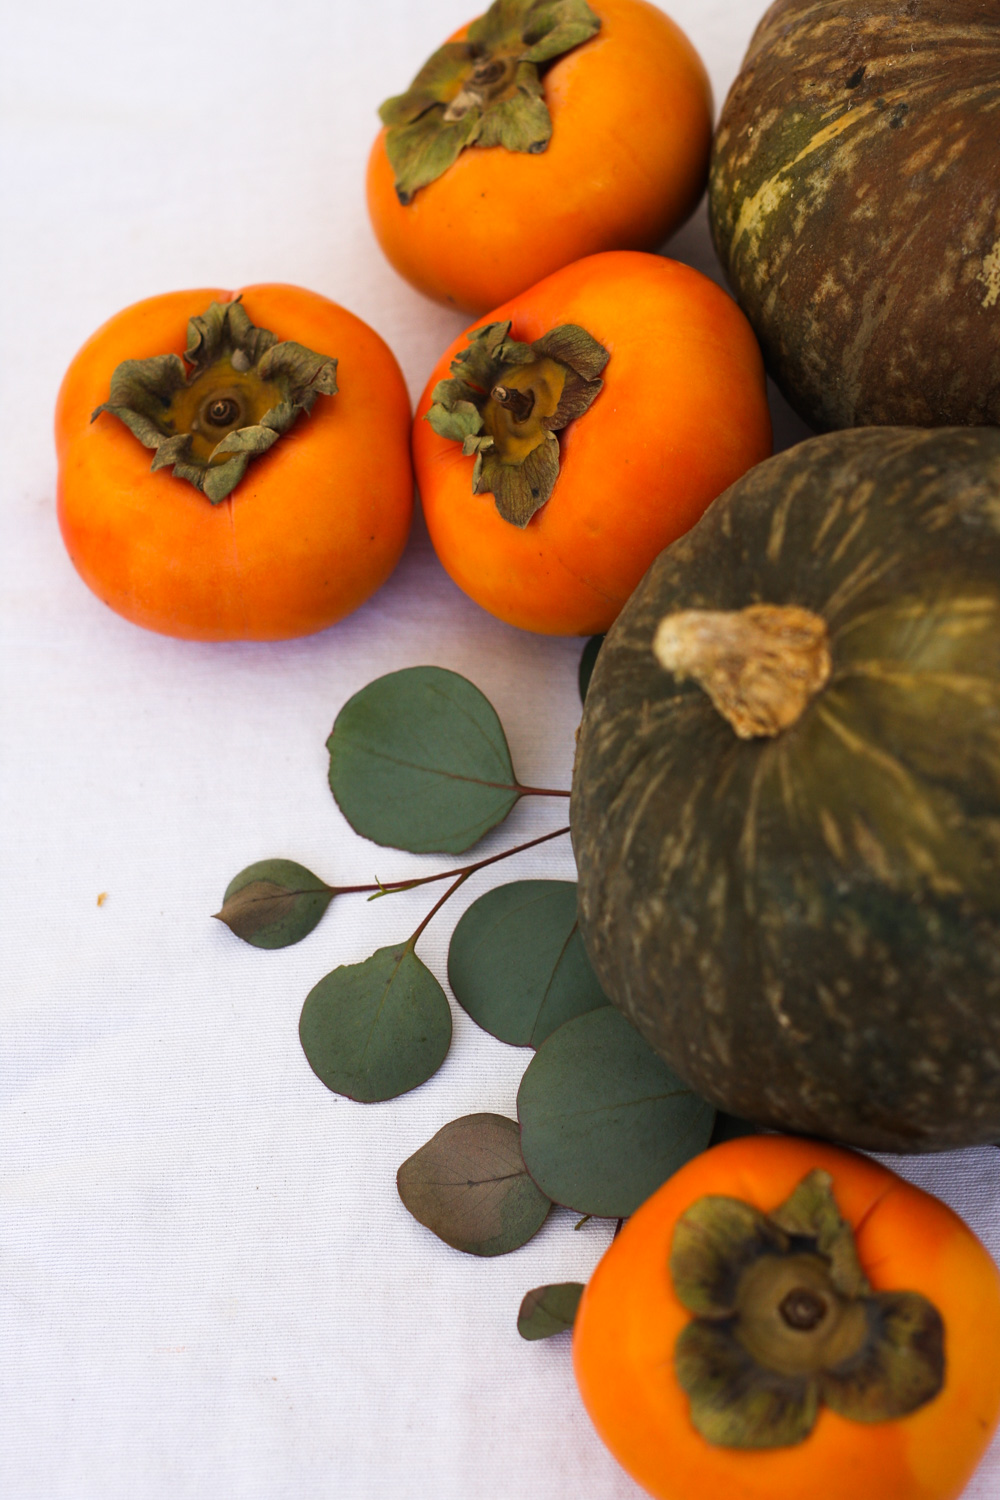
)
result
[(314, 527), (626, 164), (683, 413), (629, 1320)]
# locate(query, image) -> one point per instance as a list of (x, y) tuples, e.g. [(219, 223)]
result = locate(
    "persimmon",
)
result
[(783, 1319), (585, 425), (539, 134), (287, 426)]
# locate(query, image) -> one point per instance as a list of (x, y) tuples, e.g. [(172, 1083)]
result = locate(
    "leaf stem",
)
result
[(462, 876), (412, 943), (541, 791), (388, 887)]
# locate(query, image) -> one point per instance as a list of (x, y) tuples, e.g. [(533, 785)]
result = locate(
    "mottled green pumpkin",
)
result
[(855, 206), (802, 914)]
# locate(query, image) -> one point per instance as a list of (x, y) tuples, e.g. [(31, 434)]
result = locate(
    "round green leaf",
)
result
[(587, 663), (517, 962), (469, 1185), (419, 761), (549, 1309), (274, 903), (604, 1121), (376, 1029)]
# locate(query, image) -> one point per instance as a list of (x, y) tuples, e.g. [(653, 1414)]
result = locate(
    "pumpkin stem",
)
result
[(760, 665)]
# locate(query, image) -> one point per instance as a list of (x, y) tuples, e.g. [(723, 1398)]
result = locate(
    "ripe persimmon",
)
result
[(784, 1318), (536, 135), (652, 378), (290, 497)]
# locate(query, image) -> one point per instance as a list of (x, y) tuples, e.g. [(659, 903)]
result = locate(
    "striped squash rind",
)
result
[(855, 206), (807, 927)]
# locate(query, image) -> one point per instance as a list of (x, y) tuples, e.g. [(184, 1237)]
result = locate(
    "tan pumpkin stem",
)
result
[(760, 665)]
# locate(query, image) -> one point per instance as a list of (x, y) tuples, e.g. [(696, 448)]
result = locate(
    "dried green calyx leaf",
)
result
[(274, 903), (484, 91), (547, 1310), (241, 392), (506, 400), (469, 1185), (786, 1320)]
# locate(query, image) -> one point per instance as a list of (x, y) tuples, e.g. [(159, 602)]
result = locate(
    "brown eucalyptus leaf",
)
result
[(470, 1187), (274, 902)]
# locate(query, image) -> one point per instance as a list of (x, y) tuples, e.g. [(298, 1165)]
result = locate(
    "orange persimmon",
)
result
[(912, 1251), (629, 109), (300, 534), (676, 412)]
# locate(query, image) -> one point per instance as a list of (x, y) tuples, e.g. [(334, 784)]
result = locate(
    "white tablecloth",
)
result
[(208, 1286)]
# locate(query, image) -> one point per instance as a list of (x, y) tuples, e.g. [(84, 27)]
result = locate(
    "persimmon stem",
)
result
[(520, 404)]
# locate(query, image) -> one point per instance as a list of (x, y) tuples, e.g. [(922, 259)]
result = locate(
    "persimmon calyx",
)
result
[(484, 91), (786, 1321), (242, 391), (506, 401)]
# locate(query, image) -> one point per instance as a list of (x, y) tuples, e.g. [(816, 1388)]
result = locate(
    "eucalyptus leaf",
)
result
[(274, 903), (376, 1029), (517, 962), (549, 1309), (588, 661), (469, 1186), (419, 761), (604, 1121)]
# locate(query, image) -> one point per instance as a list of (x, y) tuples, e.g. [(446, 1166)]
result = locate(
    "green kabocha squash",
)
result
[(855, 206), (786, 798)]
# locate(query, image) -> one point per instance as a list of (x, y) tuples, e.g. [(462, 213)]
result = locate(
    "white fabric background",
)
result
[(209, 1287)]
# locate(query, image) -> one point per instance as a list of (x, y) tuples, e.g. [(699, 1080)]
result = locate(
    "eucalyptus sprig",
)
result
[(276, 902), (419, 761)]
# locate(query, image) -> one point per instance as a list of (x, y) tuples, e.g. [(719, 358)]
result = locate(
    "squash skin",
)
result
[(808, 927), (858, 217)]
